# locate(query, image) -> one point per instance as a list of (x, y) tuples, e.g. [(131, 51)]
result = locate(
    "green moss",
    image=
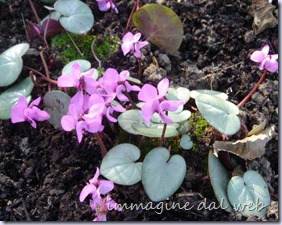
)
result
[(198, 124), (66, 50)]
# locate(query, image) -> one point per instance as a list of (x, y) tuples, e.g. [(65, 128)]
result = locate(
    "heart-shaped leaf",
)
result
[(76, 17), (178, 94), (56, 104), (155, 130), (162, 175), (126, 119), (160, 25), (183, 127), (249, 195), (11, 64), (185, 142), (175, 117), (219, 113), (16, 51), (195, 93), (219, 180), (10, 97), (119, 164)]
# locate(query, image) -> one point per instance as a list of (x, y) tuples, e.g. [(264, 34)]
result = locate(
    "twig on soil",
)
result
[(76, 47), (26, 34), (26, 212)]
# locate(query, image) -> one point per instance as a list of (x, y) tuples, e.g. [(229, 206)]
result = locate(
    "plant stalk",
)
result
[(102, 146), (253, 90), (94, 54)]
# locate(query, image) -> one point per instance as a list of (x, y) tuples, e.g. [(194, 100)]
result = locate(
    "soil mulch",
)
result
[(43, 170)]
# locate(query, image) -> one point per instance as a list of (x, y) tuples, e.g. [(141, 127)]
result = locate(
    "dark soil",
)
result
[(43, 170)]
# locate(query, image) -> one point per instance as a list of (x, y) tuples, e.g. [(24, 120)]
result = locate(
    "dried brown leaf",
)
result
[(262, 11), (250, 147)]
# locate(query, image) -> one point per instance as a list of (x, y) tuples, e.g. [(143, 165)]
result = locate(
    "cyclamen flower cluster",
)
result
[(265, 60), (94, 99), (23, 112), (97, 187)]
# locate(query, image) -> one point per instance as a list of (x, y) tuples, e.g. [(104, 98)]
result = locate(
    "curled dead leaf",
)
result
[(262, 11), (248, 148)]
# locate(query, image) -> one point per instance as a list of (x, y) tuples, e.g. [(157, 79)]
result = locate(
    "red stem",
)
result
[(102, 146), (253, 90)]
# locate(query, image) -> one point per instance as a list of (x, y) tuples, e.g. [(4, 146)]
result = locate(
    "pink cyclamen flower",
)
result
[(155, 101), (77, 79), (265, 60), (96, 187), (105, 5), (103, 207), (131, 43), (75, 118), (24, 112)]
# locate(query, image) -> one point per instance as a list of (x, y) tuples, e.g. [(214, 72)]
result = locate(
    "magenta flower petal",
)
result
[(76, 70), (136, 37), (130, 87), (101, 217), (104, 6), (163, 86), (94, 180), (257, 56), (149, 108), (68, 122), (120, 95), (126, 47), (95, 126), (265, 50), (35, 102), (137, 53), (39, 115), (147, 93), (271, 65), (109, 111), (110, 75), (29, 114), (123, 75), (118, 108), (169, 105), (105, 186), (81, 126), (141, 44), (127, 37), (67, 81), (17, 112), (77, 99), (88, 189)]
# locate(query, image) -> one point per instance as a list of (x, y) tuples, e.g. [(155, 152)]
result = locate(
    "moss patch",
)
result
[(66, 50)]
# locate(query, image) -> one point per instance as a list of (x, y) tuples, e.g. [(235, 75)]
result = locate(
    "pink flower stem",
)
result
[(102, 146), (253, 90)]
